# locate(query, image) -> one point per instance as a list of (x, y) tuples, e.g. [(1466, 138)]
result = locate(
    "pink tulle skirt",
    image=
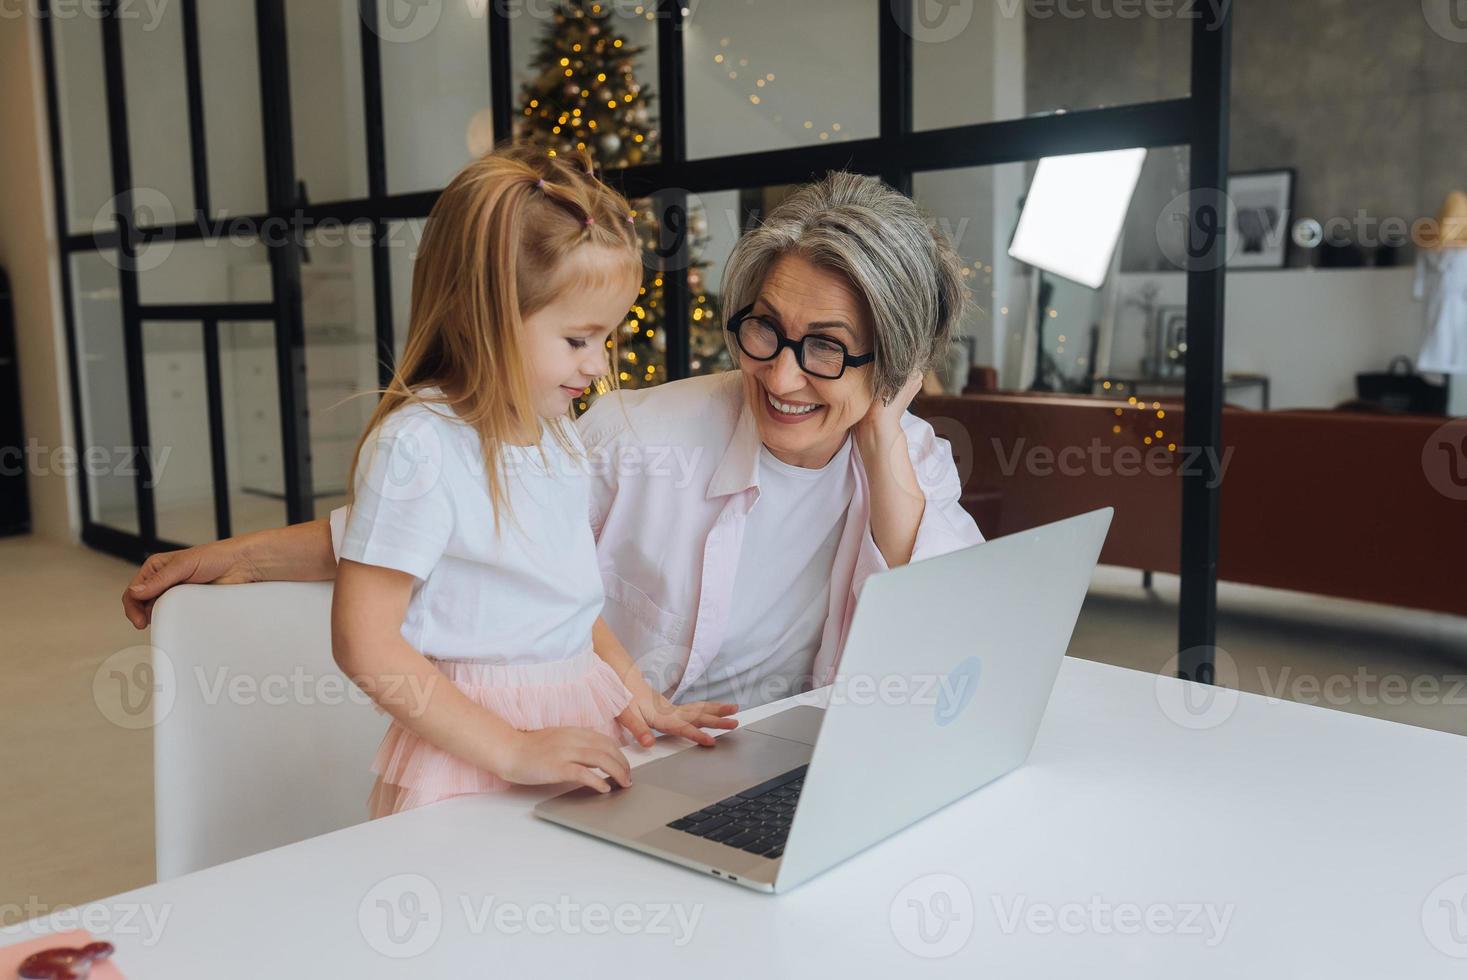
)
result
[(582, 691)]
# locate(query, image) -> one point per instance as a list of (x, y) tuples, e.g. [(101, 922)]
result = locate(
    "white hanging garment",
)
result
[(1441, 280)]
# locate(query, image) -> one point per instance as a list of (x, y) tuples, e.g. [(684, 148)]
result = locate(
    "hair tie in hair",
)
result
[(590, 220), (540, 183), (631, 219)]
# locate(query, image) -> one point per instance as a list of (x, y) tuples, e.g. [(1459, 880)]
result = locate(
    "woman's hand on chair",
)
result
[(562, 755), (221, 562)]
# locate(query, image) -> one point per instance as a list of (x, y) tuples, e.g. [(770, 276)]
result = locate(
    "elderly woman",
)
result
[(737, 515)]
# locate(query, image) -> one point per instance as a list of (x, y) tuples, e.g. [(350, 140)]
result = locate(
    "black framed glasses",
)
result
[(823, 357)]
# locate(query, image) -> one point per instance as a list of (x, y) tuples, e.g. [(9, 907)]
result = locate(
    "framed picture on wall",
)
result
[(1169, 339), (1258, 222)]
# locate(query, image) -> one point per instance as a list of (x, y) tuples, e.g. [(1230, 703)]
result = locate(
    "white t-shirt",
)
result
[(527, 595), (781, 594)]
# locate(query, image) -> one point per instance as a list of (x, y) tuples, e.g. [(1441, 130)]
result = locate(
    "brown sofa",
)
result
[(1328, 502)]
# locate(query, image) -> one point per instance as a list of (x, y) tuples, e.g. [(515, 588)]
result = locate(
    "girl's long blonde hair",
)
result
[(495, 250)]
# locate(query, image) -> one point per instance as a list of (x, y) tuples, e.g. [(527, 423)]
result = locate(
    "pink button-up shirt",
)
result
[(675, 470)]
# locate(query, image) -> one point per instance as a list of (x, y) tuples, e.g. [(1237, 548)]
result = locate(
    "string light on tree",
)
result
[(583, 92)]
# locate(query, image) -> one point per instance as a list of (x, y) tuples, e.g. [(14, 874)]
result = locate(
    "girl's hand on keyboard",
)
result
[(563, 755)]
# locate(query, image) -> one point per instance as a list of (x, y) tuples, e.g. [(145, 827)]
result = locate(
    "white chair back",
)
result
[(259, 739)]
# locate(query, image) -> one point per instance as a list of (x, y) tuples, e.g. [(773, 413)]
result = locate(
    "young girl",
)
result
[(468, 553)]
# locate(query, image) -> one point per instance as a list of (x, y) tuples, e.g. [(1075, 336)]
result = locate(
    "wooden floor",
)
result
[(78, 823), (78, 820)]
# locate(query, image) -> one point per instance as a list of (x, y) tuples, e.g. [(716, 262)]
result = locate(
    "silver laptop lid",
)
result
[(943, 682)]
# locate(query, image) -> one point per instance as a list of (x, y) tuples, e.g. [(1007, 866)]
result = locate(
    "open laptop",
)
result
[(945, 675)]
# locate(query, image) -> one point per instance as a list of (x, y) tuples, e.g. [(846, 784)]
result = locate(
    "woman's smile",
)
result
[(789, 412)]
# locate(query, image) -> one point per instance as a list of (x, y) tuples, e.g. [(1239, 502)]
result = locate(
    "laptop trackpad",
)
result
[(738, 760), (800, 723)]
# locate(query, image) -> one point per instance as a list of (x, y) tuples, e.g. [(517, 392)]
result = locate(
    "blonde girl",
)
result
[(468, 554)]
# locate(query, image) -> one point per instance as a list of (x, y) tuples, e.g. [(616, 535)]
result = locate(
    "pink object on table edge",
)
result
[(12, 956)]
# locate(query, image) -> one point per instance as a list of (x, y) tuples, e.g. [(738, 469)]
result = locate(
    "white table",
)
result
[(1281, 841)]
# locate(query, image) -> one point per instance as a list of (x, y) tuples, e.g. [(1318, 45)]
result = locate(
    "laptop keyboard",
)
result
[(756, 820)]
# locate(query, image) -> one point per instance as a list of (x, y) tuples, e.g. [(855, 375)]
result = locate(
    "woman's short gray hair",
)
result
[(906, 270)]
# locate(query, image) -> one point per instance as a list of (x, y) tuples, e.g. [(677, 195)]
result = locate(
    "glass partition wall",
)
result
[(242, 186)]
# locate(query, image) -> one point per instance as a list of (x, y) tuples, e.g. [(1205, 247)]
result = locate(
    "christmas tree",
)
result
[(584, 94)]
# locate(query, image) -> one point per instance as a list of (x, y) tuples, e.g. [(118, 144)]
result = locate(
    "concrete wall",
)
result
[(1364, 100)]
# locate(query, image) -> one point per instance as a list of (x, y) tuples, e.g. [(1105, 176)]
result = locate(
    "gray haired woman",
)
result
[(738, 514)]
